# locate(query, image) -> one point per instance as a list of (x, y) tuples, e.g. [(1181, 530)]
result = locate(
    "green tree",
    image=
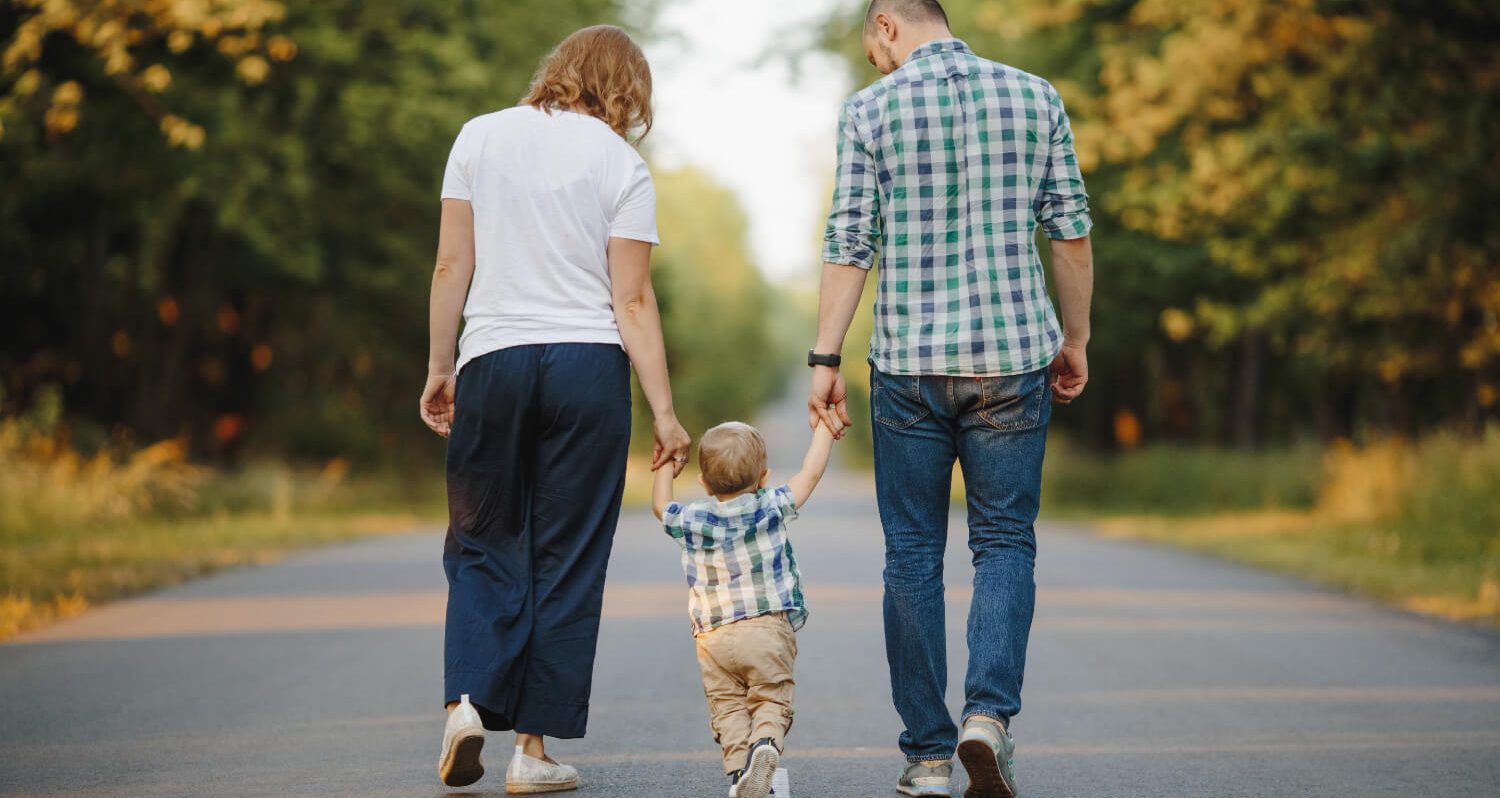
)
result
[(119, 37), (1337, 155), (259, 285), (714, 305), (1290, 202)]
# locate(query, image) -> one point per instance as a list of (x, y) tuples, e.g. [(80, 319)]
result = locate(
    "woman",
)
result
[(548, 220)]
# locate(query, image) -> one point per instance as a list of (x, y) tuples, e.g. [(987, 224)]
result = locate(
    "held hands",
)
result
[(1069, 372), (828, 401), (436, 405), (672, 444)]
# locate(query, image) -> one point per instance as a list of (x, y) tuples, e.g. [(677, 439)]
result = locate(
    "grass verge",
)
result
[(1354, 557), (1416, 524), (47, 577), (77, 531)]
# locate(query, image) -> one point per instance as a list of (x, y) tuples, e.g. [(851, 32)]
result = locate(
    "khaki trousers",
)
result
[(747, 677)]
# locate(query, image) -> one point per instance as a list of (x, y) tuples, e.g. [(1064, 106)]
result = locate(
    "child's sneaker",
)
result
[(919, 779), (754, 781), (988, 753), (463, 738)]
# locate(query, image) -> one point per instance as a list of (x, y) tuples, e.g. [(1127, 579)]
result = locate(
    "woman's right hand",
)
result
[(436, 405), (672, 445)]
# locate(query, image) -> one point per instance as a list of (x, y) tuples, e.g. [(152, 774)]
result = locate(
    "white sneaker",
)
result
[(528, 775), (463, 738), (760, 769)]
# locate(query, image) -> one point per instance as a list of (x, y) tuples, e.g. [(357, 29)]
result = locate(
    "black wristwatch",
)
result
[(815, 359)]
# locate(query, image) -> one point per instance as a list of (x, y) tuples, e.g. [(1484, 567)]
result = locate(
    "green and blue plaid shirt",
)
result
[(737, 558), (945, 168)]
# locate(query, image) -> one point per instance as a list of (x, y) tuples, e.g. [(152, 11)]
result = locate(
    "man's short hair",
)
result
[(912, 10), (732, 456)]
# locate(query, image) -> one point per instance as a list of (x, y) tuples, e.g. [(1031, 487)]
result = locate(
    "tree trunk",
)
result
[(1247, 390)]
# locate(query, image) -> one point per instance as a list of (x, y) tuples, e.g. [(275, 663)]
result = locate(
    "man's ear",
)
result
[(885, 26)]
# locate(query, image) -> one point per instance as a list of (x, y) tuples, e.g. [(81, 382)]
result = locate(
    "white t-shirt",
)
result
[(548, 192)]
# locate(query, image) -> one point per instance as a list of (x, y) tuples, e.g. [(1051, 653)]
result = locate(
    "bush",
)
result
[(45, 484), (1452, 508), (77, 528), (1178, 480)]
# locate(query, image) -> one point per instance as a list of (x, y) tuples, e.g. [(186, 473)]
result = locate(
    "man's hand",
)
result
[(672, 445), (1069, 373), (436, 405), (828, 401)]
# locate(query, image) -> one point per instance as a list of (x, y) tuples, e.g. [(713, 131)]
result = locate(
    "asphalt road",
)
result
[(1153, 673)]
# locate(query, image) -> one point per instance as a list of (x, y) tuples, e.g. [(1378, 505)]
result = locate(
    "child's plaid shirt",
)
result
[(737, 558)]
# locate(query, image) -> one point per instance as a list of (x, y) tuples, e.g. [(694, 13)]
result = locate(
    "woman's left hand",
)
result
[(672, 445), (437, 403)]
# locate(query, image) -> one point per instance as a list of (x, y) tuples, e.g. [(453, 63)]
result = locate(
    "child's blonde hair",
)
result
[(732, 457)]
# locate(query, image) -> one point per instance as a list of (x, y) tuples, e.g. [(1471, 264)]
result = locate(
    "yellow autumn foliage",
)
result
[(115, 32), (46, 483), (1325, 152)]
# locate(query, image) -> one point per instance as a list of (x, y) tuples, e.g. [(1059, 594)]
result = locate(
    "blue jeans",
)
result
[(996, 428)]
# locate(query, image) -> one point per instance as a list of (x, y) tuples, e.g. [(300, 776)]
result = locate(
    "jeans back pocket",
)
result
[(1015, 402), (896, 399)]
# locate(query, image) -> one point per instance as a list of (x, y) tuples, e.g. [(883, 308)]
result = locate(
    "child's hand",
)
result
[(661, 486), (836, 431)]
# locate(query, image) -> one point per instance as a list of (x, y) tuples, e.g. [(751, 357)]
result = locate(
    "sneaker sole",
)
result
[(925, 792), (534, 789), (756, 783), (462, 767), (985, 779)]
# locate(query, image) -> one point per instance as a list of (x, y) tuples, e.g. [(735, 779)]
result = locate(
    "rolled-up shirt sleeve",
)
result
[(853, 234), (1062, 206)]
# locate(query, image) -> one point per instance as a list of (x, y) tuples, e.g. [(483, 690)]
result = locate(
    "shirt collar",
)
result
[(938, 46), (739, 504)]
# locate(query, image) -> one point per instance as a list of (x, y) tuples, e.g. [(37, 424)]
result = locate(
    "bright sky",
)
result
[(728, 102)]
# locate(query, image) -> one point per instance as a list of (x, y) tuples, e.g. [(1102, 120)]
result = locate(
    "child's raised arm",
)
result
[(813, 466), (661, 490)]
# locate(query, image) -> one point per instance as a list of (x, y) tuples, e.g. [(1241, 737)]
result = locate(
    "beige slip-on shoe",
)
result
[(463, 739), (528, 775)]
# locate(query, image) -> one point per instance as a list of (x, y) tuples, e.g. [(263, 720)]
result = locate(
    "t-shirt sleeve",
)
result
[(671, 520), (782, 500), (458, 179), (635, 215)]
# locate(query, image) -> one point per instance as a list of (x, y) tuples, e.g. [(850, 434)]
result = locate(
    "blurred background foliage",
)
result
[(1296, 344), (1293, 202), (218, 220), (716, 306)]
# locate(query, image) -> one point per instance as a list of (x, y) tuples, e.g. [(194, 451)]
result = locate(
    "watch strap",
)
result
[(815, 359)]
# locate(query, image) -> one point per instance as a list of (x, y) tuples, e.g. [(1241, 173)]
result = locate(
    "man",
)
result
[(946, 168)]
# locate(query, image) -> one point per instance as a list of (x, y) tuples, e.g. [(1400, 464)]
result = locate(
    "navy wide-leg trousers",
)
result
[(536, 469)]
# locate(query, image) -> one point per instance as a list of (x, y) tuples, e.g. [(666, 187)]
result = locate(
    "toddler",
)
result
[(744, 592)]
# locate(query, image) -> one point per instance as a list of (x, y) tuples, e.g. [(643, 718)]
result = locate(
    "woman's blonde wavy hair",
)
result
[(599, 71)]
